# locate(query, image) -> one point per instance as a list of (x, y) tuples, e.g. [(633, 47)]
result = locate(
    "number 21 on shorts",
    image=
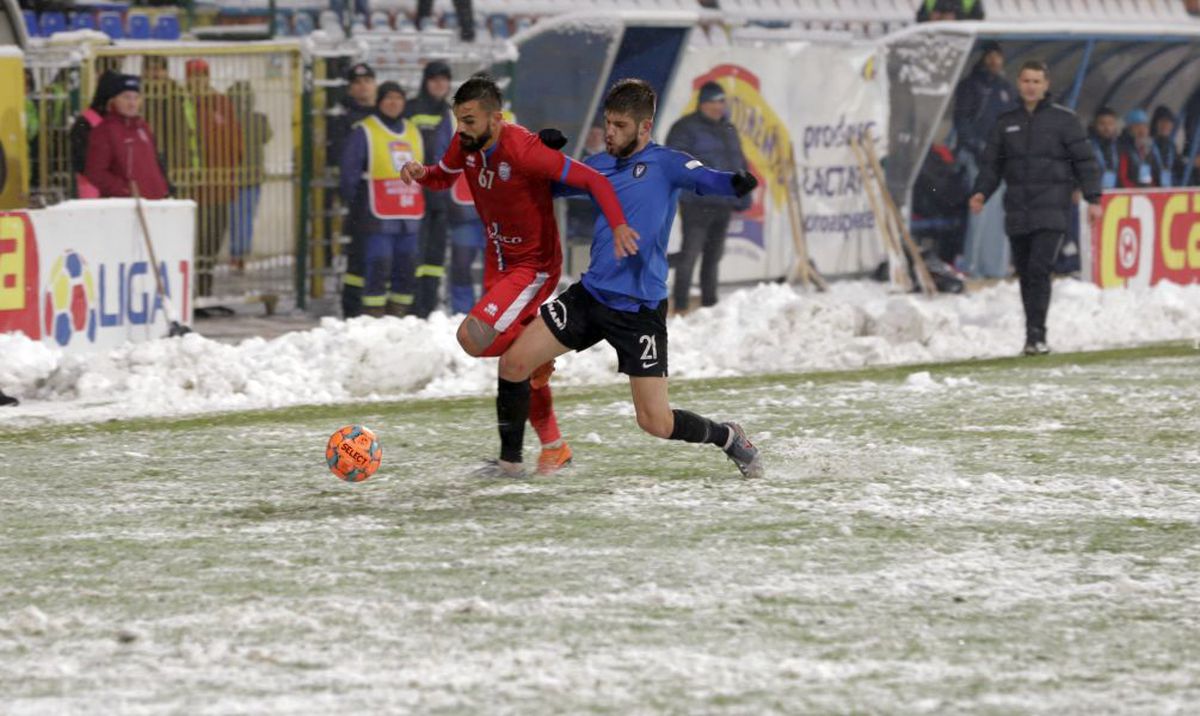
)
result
[(649, 350)]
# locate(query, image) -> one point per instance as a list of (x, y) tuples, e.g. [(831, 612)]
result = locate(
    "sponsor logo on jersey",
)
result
[(491, 309), (505, 171), (694, 164), (471, 160), (1013, 128), (496, 235), (639, 169)]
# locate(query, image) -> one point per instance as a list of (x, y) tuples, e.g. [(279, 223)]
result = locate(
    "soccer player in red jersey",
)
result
[(510, 174)]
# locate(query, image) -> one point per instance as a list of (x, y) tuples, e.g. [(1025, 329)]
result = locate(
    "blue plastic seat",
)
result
[(303, 24), (31, 23), (139, 26), (110, 24), (166, 28), (51, 22), (83, 21), (498, 25)]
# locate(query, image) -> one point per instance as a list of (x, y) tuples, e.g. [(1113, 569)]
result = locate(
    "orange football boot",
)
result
[(554, 459)]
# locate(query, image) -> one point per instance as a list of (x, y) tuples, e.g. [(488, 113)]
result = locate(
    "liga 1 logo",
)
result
[(1147, 237), (764, 137), (70, 299)]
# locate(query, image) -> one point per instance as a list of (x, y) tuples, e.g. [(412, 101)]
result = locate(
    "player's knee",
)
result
[(514, 368), (660, 426), (468, 341)]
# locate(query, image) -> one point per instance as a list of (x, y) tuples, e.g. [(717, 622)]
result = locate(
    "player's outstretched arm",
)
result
[(436, 177), (691, 174)]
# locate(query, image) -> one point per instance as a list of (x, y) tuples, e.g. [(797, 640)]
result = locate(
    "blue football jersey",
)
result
[(648, 184)]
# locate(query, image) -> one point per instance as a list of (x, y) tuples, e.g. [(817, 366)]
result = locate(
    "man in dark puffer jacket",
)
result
[(1042, 152), (708, 136)]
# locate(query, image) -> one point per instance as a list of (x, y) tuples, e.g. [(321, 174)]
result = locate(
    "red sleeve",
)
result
[(99, 160), (547, 163), (580, 175), (1123, 171), (447, 171)]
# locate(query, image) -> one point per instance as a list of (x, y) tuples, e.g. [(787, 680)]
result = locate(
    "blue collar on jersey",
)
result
[(487, 153)]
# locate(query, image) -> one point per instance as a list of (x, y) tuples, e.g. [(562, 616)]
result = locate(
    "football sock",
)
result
[(541, 414), (512, 410), (692, 428)]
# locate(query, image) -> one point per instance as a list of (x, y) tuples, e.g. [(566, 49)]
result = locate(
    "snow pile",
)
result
[(767, 329)]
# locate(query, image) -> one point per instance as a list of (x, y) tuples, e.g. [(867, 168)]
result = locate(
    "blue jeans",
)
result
[(241, 226)]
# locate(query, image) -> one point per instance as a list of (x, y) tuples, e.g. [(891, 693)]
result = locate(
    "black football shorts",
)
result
[(579, 321)]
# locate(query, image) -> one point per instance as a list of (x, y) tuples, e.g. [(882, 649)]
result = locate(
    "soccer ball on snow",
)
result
[(353, 453)]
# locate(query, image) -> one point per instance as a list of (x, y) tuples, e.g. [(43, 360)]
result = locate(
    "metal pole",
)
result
[(1080, 74), (304, 220)]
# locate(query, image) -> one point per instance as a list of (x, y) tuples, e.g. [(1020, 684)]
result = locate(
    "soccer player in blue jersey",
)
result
[(622, 297)]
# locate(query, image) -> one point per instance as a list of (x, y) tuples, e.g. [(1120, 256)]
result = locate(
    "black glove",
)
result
[(743, 183), (553, 138)]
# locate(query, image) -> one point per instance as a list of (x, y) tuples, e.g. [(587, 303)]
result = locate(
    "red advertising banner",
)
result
[(19, 277), (1146, 237)]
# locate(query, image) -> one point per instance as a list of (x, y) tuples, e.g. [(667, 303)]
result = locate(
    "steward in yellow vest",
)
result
[(385, 213)]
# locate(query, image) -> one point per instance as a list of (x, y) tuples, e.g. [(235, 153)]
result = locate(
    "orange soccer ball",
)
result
[(353, 453)]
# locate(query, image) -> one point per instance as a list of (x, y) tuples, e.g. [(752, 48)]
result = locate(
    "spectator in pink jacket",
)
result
[(121, 148)]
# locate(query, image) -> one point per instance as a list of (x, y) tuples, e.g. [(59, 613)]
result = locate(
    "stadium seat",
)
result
[(498, 25), (166, 28), (302, 24), (139, 26), (110, 24), (31, 23), (52, 22), (83, 21), (380, 21)]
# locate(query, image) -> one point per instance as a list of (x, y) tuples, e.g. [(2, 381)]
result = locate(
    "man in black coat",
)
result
[(431, 112), (709, 137), (1042, 152)]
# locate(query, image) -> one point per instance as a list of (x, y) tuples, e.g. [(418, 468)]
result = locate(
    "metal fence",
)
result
[(225, 121), (244, 130), (395, 55)]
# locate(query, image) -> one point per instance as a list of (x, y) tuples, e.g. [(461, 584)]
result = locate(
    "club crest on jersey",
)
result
[(639, 170), (505, 171)]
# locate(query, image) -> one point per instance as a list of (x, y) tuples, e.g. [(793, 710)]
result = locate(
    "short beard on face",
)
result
[(473, 145), (625, 151)]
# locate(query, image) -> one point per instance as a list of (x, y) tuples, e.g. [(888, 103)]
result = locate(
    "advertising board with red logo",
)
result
[(77, 275), (1145, 237), (782, 133)]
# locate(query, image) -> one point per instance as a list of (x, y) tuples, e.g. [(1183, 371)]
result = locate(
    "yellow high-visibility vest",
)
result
[(387, 153)]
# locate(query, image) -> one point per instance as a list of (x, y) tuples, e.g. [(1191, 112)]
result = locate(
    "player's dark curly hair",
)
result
[(482, 88), (633, 97)]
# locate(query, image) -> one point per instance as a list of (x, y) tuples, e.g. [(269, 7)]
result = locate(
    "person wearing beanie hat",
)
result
[(1135, 152), (1040, 150), (122, 157), (385, 213), (711, 92), (707, 135), (431, 112), (356, 105), (81, 130)]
